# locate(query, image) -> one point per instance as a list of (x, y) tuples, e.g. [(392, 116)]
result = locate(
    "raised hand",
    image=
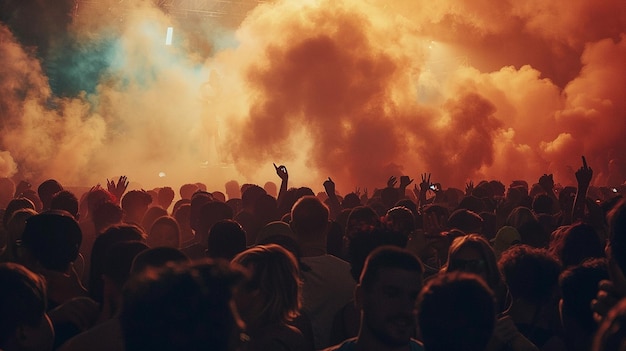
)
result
[(329, 186), (118, 189), (469, 188), (425, 183), (391, 182), (405, 181), (584, 174), (281, 171)]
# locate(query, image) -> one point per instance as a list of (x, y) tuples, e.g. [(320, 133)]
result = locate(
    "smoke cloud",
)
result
[(354, 90)]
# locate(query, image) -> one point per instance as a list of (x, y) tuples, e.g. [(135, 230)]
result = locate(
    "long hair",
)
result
[(276, 275)]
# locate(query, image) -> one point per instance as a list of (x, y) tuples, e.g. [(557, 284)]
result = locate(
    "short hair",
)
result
[(22, 299), (388, 257), (466, 221), (14, 205), (65, 200), (53, 238), (251, 194), (226, 239), (46, 191), (180, 307), (106, 214), (136, 198), (151, 215), (309, 216), (530, 273), (187, 190), (274, 272), (363, 242), (456, 311), (170, 222), (542, 203)]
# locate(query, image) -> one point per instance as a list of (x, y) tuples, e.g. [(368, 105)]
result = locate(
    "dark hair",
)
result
[(386, 257), (530, 273), (466, 221), (578, 243), (579, 286), (367, 240), (226, 239), (119, 258), (309, 216), (46, 191), (101, 245), (22, 299), (65, 200), (456, 311), (180, 307), (53, 238)]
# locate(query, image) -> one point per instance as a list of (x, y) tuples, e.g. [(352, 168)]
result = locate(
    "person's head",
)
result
[(361, 218), (151, 215), (52, 240), (579, 286), (226, 239), (210, 214), (187, 190), (105, 215), (116, 270), (135, 204), (456, 311), (506, 237), (181, 307), (24, 324), (265, 209), (250, 195), (165, 197), (386, 295), (271, 188), (542, 203), (15, 229), (400, 219), (367, 240), (519, 216), (576, 244), (233, 191), (198, 200), (65, 200), (14, 205), (46, 190), (466, 221), (473, 254), (113, 235), (164, 232), (531, 274), (309, 220), (351, 200), (273, 292), (96, 197)]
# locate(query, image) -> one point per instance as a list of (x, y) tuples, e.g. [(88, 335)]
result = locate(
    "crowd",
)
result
[(531, 266)]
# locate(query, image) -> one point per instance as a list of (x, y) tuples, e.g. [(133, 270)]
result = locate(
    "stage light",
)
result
[(168, 36)]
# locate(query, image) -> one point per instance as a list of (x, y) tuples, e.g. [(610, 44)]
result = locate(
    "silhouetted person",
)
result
[(226, 239), (135, 204), (181, 308), (456, 312), (46, 191), (24, 324), (164, 232), (65, 200), (386, 297)]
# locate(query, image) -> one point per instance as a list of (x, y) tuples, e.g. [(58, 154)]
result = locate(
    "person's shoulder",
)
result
[(347, 345)]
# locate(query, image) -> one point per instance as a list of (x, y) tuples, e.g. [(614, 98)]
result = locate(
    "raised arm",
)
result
[(583, 177)]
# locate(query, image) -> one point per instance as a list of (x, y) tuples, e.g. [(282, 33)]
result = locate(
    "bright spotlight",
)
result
[(161, 174), (168, 36)]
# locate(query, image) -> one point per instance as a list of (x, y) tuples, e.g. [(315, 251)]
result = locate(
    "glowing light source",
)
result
[(168, 36), (161, 174)]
